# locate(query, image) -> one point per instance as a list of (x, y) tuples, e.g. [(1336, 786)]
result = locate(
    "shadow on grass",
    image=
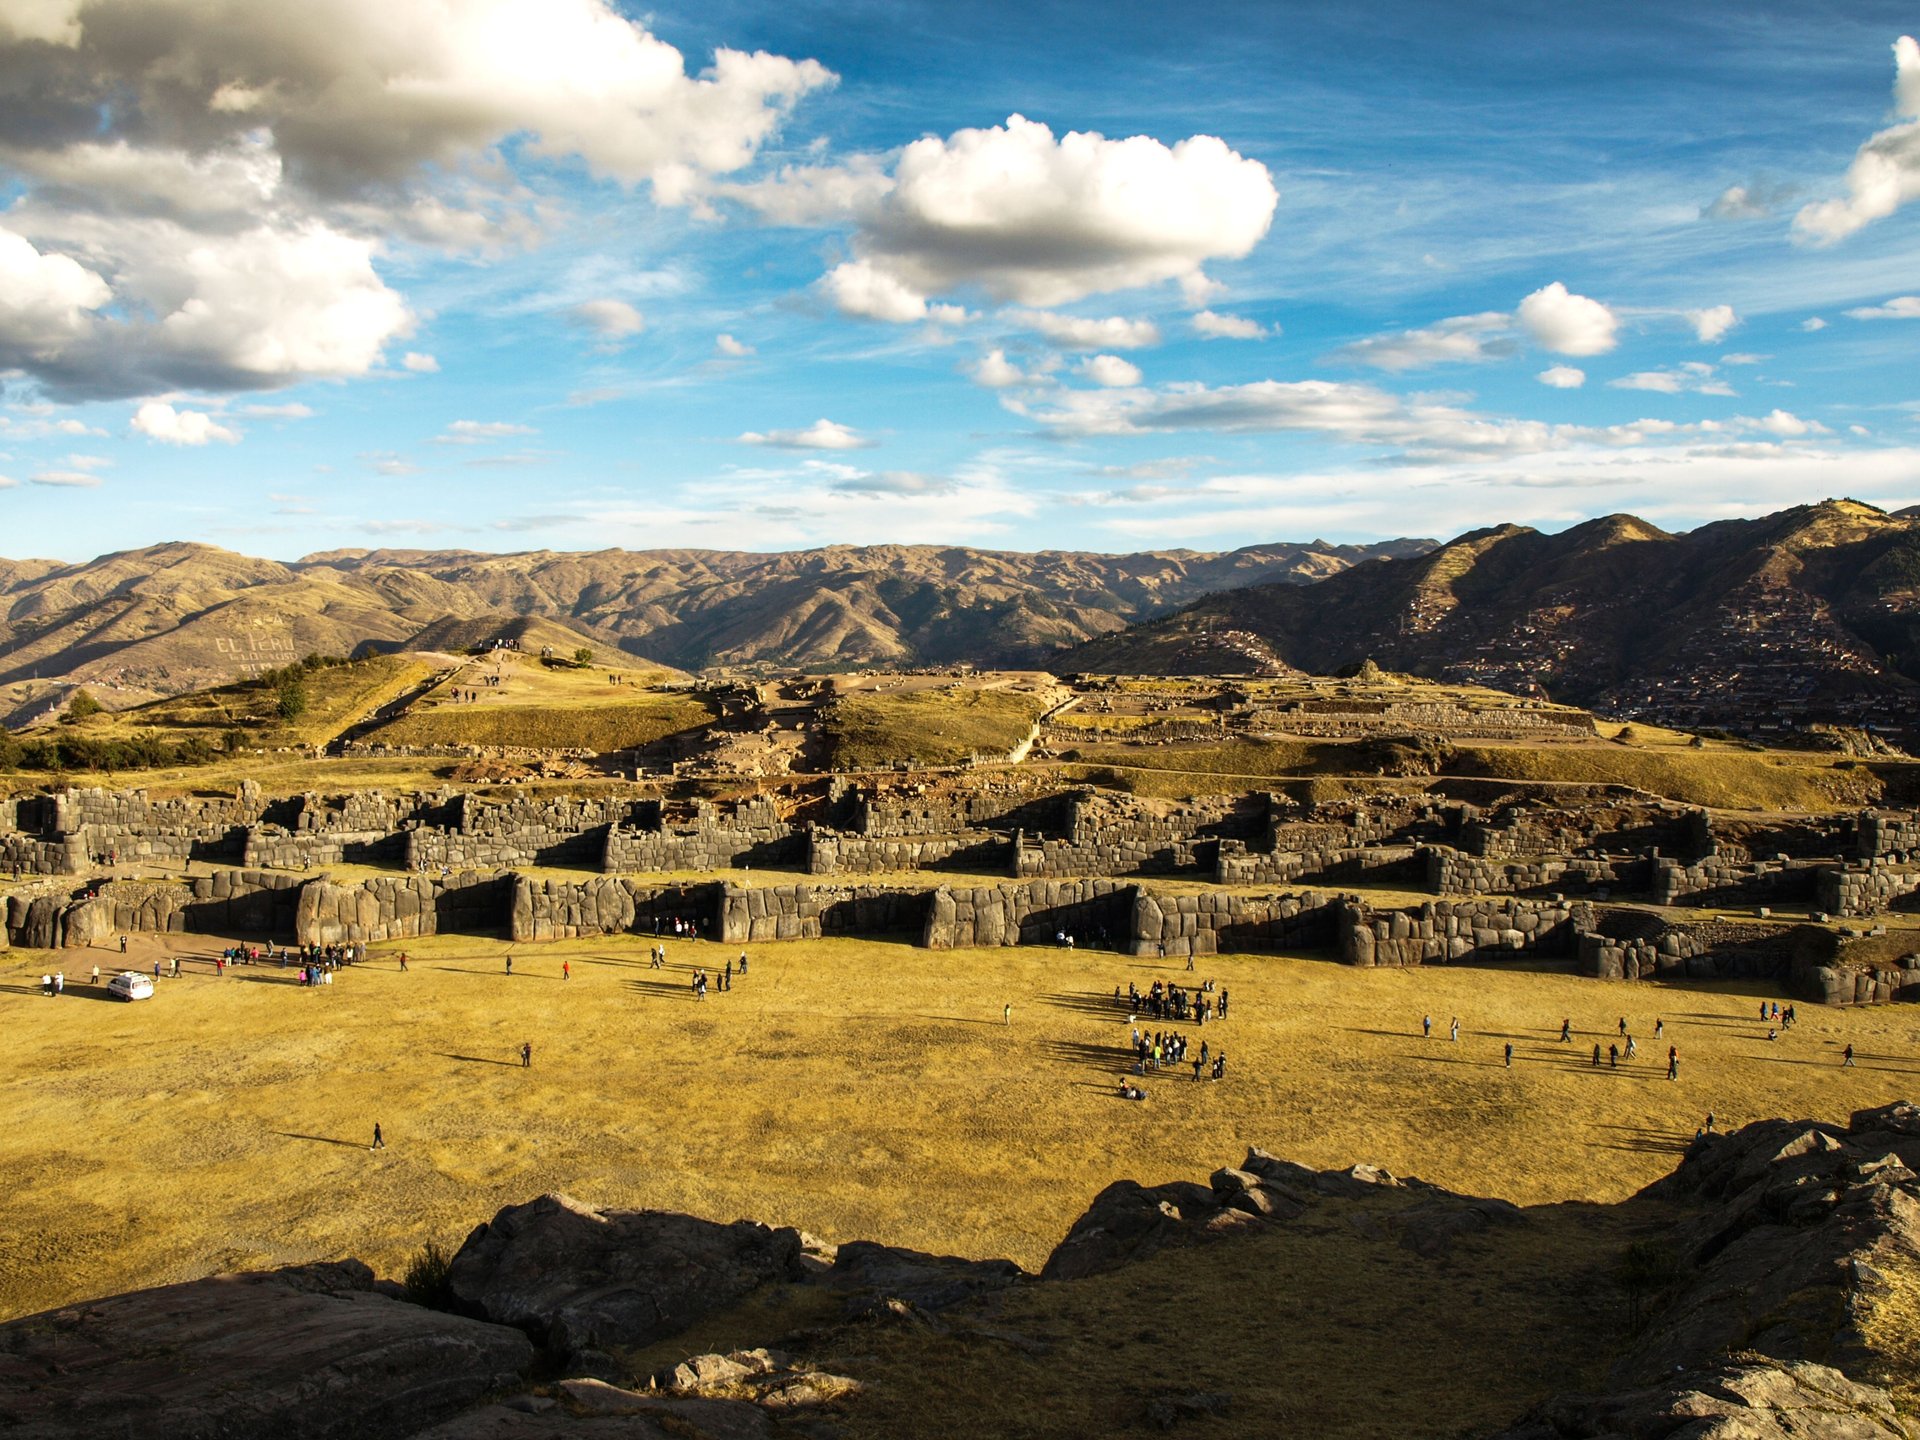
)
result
[(72, 992), (1834, 1062), (1087, 1002), (1641, 1139), (1097, 1057), (320, 1139), (479, 1060)]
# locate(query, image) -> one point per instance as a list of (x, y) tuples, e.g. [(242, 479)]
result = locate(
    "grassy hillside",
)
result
[(540, 706), (927, 727)]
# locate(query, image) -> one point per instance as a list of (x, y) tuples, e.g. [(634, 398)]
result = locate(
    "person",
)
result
[(743, 962), (156, 970), (403, 960), (59, 982), (123, 944), (1189, 962), (526, 1055), (378, 1142), (509, 962), (1772, 1034), (1006, 1016), (1709, 1122), (566, 970), (1659, 1028), (1566, 1031), (96, 974), (1847, 1055), (1456, 1029), (1426, 1026), (1596, 1054), (1509, 1055), (1623, 1024), (1613, 1057), (1631, 1047), (1673, 1065)]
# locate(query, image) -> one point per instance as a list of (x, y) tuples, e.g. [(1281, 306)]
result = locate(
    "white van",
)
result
[(130, 986)]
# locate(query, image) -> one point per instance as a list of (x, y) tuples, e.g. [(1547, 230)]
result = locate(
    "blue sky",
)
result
[(515, 274)]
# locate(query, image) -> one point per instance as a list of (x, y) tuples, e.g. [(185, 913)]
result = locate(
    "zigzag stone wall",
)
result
[(1445, 930)]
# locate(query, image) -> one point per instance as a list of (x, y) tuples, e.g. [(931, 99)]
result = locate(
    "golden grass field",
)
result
[(928, 727), (858, 1089)]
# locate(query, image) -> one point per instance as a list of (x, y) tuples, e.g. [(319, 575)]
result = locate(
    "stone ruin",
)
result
[(1614, 885)]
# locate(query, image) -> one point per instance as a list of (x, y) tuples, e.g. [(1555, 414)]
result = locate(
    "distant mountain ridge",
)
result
[(1808, 615), (180, 616)]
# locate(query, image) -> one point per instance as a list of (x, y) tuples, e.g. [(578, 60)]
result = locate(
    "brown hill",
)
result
[(177, 617), (1808, 615)]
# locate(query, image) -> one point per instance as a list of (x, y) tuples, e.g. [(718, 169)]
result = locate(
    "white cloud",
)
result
[(7, 482), (860, 288), (214, 224), (733, 349), (419, 363), (1074, 332), (68, 479), (1026, 217), (1741, 357), (481, 432), (1211, 325), (1786, 425), (158, 420), (612, 320), (821, 435), (292, 411), (1463, 339), (1694, 377), (1885, 173), (1109, 370), (1712, 323), (1568, 324), (996, 372), (1901, 307), (1813, 323), (1562, 377)]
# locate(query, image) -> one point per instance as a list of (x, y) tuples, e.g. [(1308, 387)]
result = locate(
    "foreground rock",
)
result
[(309, 1353), (1752, 1400), (1805, 1222), (586, 1280), (880, 1277)]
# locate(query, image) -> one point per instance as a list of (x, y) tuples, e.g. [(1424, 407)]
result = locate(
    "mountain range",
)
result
[(170, 618), (1808, 615)]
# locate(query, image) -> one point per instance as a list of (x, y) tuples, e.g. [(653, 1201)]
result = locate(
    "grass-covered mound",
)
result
[(927, 727)]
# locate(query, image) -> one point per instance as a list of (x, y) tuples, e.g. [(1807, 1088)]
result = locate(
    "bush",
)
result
[(81, 706), (293, 698), (428, 1280), (583, 657)]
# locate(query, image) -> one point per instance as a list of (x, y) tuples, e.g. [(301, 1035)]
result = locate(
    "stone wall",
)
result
[(1857, 892), (1717, 880), (807, 912), (833, 852), (402, 907), (566, 910), (1235, 864), (1453, 872), (965, 917), (1210, 923), (1445, 930), (1639, 945), (708, 838), (896, 814), (1886, 832)]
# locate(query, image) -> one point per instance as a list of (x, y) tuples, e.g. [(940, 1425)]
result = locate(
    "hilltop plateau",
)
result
[(170, 618)]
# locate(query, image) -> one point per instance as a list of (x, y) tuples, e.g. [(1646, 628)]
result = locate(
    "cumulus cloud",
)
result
[(1568, 324), (69, 479), (861, 288), (482, 432), (1885, 173), (419, 363), (1023, 216), (1075, 332), (612, 320), (158, 420), (1901, 307), (731, 348), (1109, 370), (996, 372), (1562, 377), (1813, 323), (1464, 339), (1712, 323), (823, 434), (1694, 377), (1211, 325), (206, 185)]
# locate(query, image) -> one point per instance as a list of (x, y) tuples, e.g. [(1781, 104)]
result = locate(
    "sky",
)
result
[(505, 275)]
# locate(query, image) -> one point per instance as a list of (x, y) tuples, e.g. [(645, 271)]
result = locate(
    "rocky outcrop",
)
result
[(1754, 1399), (585, 1280), (1804, 1221), (315, 1352), (880, 1276)]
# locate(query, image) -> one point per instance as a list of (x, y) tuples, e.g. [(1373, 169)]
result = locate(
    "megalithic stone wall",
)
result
[(567, 910), (807, 912), (403, 907), (1439, 931), (1859, 891)]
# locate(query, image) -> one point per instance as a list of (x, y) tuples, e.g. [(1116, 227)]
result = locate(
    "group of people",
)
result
[(1166, 1049), (720, 980), (1173, 1002)]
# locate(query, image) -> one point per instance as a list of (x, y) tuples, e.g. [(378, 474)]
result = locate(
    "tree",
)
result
[(81, 706), (583, 657), (293, 697)]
